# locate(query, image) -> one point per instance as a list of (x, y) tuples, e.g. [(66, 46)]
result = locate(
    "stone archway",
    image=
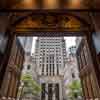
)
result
[(51, 21), (48, 23)]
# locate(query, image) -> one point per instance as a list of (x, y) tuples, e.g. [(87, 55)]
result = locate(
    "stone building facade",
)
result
[(71, 72), (29, 68), (29, 65), (86, 69), (50, 59), (26, 42), (12, 75), (5, 40)]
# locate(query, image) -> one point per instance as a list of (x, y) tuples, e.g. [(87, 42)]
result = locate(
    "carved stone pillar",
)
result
[(54, 92), (46, 88), (96, 66), (6, 58), (5, 85)]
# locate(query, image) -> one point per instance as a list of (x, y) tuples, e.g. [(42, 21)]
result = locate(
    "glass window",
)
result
[(73, 75), (28, 67)]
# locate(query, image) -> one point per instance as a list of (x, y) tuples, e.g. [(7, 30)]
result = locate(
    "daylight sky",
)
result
[(70, 41)]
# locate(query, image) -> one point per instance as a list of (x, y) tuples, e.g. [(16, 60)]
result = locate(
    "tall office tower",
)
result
[(50, 58), (26, 43)]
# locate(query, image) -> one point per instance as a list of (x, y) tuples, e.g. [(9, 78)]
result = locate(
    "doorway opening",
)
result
[(52, 68), (50, 58)]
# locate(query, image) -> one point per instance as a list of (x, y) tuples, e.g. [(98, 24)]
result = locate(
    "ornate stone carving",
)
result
[(49, 22)]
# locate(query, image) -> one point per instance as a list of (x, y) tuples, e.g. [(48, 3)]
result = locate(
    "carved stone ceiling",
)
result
[(39, 23), (49, 21)]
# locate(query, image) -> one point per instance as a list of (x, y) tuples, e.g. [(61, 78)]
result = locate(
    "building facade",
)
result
[(30, 68), (50, 59), (86, 69), (71, 72), (90, 22), (5, 40), (26, 43), (12, 75)]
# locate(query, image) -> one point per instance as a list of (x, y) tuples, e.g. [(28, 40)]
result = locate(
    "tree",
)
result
[(30, 85), (75, 89)]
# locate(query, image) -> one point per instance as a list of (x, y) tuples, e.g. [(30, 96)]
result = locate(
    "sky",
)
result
[(70, 41)]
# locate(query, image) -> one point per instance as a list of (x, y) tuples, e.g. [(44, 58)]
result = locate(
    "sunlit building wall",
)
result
[(50, 59), (26, 43), (71, 72)]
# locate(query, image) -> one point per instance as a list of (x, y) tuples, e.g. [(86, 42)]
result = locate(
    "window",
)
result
[(50, 69), (28, 67), (47, 69), (43, 91), (73, 75), (57, 69), (53, 69), (57, 91), (50, 92)]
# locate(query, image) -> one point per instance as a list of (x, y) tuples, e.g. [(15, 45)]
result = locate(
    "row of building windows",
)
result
[(50, 49), (50, 62), (51, 45), (49, 59), (43, 63), (50, 41), (56, 51), (47, 55), (50, 70)]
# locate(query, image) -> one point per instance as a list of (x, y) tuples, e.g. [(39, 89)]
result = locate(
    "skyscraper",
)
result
[(50, 58), (26, 43)]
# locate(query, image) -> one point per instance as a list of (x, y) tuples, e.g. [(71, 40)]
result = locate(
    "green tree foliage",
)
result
[(75, 90), (30, 85)]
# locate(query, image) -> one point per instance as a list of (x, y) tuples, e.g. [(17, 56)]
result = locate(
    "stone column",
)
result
[(14, 87), (46, 88), (6, 58), (60, 91), (54, 95), (5, 84), (11, 86), (96, 66)]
